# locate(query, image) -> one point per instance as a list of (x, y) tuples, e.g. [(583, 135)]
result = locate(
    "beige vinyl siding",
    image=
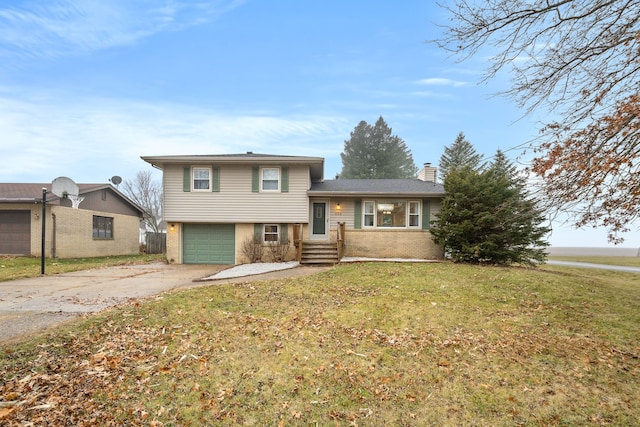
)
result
[(346, 213), (235, 202)]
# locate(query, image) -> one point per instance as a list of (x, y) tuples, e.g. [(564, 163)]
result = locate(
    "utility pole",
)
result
[(44, 221)]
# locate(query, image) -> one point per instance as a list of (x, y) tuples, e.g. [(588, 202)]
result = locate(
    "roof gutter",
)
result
[(370, 193)]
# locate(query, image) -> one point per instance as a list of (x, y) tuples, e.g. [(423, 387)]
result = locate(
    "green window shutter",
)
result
[(255, 179), (284, 185), (426, 214), (257, 232), (215, 179), (186, 179), (357, 219), (284, 233)]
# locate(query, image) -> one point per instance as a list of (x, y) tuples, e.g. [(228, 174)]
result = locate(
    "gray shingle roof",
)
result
[(316, 164), (412, 187), (21, 192), (33, 191)]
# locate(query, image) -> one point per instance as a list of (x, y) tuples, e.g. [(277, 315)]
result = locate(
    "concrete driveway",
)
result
[(31, 305), (598, 266)]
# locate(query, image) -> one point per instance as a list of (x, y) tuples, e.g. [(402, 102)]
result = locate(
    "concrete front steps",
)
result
[(319, 253)]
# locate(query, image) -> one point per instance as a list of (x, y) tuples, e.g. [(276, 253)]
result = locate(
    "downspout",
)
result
[(53, 238)]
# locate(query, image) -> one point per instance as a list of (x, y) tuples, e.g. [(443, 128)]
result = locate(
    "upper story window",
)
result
[(270, 179), (391, 213), (201, 179)]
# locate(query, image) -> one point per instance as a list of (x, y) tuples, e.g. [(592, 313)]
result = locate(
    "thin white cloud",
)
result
[(55, 28), (440, 81), (430, 94), (91, 140)]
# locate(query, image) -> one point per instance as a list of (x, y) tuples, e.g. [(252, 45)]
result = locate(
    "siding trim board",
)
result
[(284, 179), (215, 179), (186, 179), (357, 219), (255, 179), (426, 214)]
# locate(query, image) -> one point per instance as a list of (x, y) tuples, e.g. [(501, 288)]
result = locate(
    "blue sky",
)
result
[(87, 87)]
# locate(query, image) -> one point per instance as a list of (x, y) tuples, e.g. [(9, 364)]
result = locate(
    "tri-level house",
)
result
[(218, 205)]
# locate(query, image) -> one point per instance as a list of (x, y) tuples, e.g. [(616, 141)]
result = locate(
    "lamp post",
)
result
[(44, 220)]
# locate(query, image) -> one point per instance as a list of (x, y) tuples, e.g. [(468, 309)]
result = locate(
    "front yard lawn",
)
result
[(361, 344)]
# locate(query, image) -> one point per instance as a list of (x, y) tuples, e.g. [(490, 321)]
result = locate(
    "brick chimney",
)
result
[(428, 173)]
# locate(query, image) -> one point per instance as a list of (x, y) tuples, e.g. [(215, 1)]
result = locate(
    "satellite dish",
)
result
[(115, 180), (64, 187)]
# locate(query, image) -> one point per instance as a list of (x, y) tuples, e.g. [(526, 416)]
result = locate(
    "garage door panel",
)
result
[(15, 232), (209, 244)]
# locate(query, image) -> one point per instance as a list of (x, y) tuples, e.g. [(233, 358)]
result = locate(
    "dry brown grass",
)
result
[(363, 344)]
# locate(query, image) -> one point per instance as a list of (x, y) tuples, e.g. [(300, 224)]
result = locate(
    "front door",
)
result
[(319, 222)]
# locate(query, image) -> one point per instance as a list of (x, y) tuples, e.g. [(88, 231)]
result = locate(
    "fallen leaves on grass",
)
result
[(267, 354)]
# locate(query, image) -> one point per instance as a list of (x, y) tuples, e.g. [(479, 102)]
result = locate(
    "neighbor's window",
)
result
[(270, 179), (201, 178), (271, 233), (102, 227)]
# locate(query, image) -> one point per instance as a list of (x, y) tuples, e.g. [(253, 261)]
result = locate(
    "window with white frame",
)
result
[(201, 179), (270, 179), (271, 233), (391, 213), (414, 213), (369, 213)]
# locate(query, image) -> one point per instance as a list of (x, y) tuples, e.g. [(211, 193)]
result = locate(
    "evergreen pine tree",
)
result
[(501, 164), (373, 152), (460, 153), (487, 217)]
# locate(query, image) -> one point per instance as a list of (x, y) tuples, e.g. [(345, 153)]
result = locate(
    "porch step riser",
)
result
[(319, 253)]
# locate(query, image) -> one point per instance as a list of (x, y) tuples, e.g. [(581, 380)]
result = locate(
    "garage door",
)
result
[(209, 243), (15, 232)]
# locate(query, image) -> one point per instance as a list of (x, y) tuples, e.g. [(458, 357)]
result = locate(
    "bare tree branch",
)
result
[(147, 193), (580, 60)]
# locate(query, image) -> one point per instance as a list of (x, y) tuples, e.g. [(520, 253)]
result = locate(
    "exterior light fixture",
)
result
[(173, 227), (338, 207)]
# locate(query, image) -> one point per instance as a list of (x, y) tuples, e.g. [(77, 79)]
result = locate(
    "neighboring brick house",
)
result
[(105, 223), (215, 204)]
